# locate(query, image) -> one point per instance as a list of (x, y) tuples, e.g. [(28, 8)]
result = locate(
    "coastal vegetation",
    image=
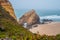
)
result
[(11, 30)]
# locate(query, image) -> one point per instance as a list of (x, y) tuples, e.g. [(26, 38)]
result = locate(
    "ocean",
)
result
[(43, 14)]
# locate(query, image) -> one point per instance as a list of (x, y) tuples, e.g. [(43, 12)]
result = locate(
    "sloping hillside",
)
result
[(9, 26), (10, 29)]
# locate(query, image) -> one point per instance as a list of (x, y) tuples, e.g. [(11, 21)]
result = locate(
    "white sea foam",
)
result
[(50, 17)]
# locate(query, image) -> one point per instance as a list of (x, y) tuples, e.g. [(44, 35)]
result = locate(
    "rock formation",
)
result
[(30, 18), (8, 7)]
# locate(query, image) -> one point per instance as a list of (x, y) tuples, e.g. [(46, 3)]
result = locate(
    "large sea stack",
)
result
[(30, 18)]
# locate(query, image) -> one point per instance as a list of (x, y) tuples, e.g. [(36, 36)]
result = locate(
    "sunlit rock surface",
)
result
[(8, 7), (30, 18)]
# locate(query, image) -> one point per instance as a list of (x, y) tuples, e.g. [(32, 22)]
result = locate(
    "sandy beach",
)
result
[(48, 29)]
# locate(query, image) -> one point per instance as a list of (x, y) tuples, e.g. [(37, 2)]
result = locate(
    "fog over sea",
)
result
[(44, 14)]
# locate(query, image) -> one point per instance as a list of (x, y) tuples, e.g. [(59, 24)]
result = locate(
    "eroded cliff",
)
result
[(8, 7)]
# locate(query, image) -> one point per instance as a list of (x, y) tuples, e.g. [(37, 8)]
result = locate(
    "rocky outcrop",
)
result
[(8, 7), (30, 18)]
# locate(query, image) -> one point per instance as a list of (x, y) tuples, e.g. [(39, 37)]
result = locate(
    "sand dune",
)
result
[(48, 29)]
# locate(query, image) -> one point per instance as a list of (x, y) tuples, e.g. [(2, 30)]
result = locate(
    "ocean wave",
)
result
[(50, 17)]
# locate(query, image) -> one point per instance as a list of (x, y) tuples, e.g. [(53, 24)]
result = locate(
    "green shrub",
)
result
[(58, 37), (51, 38), (0, 14)]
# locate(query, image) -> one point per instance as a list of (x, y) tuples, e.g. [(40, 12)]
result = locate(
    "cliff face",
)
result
[(8, 7), (30, 18), (8, 25)]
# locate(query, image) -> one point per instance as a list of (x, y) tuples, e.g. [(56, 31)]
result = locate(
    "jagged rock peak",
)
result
[(30, 18), (8, 7)]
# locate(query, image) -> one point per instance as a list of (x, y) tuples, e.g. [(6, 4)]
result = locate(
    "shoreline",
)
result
[(52, 28)]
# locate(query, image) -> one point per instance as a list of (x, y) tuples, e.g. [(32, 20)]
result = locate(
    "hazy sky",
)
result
[(36, 4)]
